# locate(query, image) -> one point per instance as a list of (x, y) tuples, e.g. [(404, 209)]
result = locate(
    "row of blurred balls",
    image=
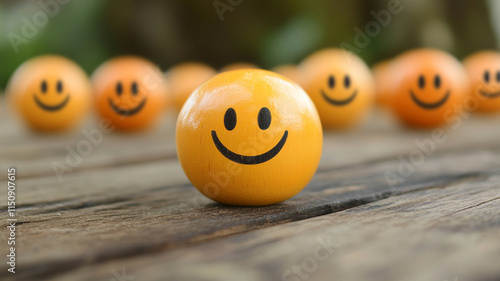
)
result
[(425, 88)]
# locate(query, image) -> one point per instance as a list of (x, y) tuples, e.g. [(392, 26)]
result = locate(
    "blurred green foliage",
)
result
[(264, 32)]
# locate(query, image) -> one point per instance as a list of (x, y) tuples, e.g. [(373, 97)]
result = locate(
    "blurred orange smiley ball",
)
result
[(130, 92), (483, 69), (185, 78), (341, 86), (430, 87), (51, 93), (249, 138)]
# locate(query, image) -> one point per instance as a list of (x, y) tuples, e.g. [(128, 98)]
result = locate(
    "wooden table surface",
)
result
[(126, 211)]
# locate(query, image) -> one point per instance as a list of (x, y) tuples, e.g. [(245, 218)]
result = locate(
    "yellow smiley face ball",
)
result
[(249, 138), (51, 93), (483, 69), (341, 86)]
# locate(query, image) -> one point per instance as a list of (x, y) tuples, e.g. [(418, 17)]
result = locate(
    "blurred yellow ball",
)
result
[(50, 92), (483, 69), (184, 78), (341, 86), (290, 71)]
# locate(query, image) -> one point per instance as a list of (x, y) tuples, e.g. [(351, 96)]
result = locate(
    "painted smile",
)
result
[(126, 112), (339, 102), (51, 107), (249, 160), (429, 106), (490, 95)]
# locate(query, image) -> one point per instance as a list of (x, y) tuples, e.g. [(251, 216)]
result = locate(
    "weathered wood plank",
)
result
[(132, 187), (451, 233), (35, 154), (93, 221)]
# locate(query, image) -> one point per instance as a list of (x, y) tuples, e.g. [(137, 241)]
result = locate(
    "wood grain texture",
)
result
[(448, 233), (129, 202), (129, 217), (34, 154)]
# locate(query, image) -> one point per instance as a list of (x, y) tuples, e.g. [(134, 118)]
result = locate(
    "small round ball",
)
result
[(50, 92), (429, 86), (130, 92), (483, 69), (290, 71), (249, 138), (184, 78), (341, 86)]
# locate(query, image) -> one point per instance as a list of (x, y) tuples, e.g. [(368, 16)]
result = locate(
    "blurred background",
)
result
[(218, 32)]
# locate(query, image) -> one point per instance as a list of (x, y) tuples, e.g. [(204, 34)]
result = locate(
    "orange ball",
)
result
[(130, 92), (50, 92), (383, 83), (341, 86), (483, 69), (238, 66), (184, 78), (249, 138), (290, 71), (430, 85)]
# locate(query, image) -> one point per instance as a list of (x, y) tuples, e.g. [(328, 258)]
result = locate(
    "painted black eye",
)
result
[(331, 81), (498, 76), (119, 88), (43, 86), (437, 81), (486, 76), (230, 119), (264, 118), (421, 81), (59, 86), (135, 88), (347, 81)]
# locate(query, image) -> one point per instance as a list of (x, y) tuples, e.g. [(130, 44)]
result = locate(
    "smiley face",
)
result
[(51, 93), (341, 86), (264, 121), (240, 130), (488, 93), (331, 86), (131, 93), (483, 69), (134, 89), (437, 85), (44, 89), (428, 85)]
